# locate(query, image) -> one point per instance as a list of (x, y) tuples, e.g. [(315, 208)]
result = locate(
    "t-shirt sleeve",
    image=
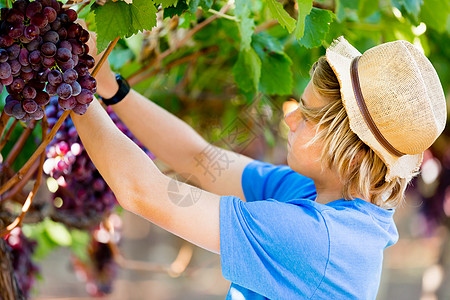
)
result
[(279, 250), (261, 181)]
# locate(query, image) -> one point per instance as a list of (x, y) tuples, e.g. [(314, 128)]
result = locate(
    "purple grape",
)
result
[(21, 5), (64, 18), (26, 69), (34, 44), (50, 13), (13, 51), (62, 32), (48, 49), (76, 88), (15, 30), (24, 40), (51, 36), (29, 93), (87, 82), (17, 85), (18, 112), (26, 76), (77, 47), (42, 98), (64, 90), (15, 66), (38, 114), (33, 8), (71, 14), (74, 31), (67, 65), (6, 41), (25, 118), (5, 70), (23, 57), (56, 24), (31, 31), (75, 60), (66, 44), (42, 75), (7, 81), (29, 106), (55, 77), (9, 106), (82, 70), (40, 20), (14, 16), (4, 55), (35, 57), (85, 97), (48, 62), (80, 109), (70, 76), (88, 60), (84, 37), (63, 54), (51, 89), (67, 104)]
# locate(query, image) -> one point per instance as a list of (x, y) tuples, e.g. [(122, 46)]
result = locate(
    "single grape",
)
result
[(45, 29), (56, 6), (76, 88), (29, 92), (25, 118), (70, 76), (34, 44), (71, 14), (66, 44), (9, 106), (26, 76), (31, 31), (51, 89), (48, 62), (5, 70), (17, 111), (42, 75), (75, 60), (36, 67), (7, 81), (33, 8), (77, 47), (74, 31), (64, 18), (80, 109), (50, 13), (35, 57), (48, 49), (15, 30), (67, 65), (21, 5), (67, 104), (88, 60), (63, 54), (13, 51), (42, 98), (24, 40), (64, 90), (29, 106), (15, 66), (87, 82), (35, 83), (15, 15), (56, 24), (23, 57), (6, 41), (38, 114), (84, 36), (55, 77), (85, 97), (82, 69), (17, 85), (40, 20), (51, 36), (4, 56)]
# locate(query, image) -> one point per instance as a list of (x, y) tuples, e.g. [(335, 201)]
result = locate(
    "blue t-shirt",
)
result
[(281, 244)]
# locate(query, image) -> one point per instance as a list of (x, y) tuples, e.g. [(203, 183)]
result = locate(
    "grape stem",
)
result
[(4, 118), (178, 45), (8, 134), (27, 204), (19, 186), (20, 143), (104, 56)]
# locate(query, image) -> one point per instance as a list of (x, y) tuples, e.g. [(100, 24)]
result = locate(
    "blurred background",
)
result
[(191, 64)]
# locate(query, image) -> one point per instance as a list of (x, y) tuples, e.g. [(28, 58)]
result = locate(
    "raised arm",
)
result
[(172, 140)]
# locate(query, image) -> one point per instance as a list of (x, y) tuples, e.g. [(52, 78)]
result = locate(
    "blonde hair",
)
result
[(359, 168)]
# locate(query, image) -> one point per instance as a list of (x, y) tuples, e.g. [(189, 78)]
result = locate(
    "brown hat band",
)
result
[(365, 111)]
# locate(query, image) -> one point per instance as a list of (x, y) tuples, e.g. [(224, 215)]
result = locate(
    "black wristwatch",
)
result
[(124, 88)]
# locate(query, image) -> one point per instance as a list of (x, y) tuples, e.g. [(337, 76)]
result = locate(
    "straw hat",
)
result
[(394, 101)]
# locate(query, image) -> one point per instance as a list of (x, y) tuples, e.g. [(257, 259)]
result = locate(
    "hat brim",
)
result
[(340, 56)]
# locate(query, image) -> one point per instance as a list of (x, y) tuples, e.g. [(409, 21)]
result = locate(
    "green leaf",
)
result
[(316, 27), (80, 242), (411, 6), (246, 24), (276, 74), (304, 8), (247, 70), (435, 13), (57, 233), (121, 19), (204, 4), (171, 11), (346, 9), (166, 3), (279, 13), (367, 8)]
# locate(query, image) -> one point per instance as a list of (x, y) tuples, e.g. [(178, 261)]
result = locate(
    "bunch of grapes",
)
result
[(44, 53), (22, 249), (82, 193)]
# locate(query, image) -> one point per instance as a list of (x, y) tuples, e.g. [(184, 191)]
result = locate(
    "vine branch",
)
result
[(18, 146), (8, 134)]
